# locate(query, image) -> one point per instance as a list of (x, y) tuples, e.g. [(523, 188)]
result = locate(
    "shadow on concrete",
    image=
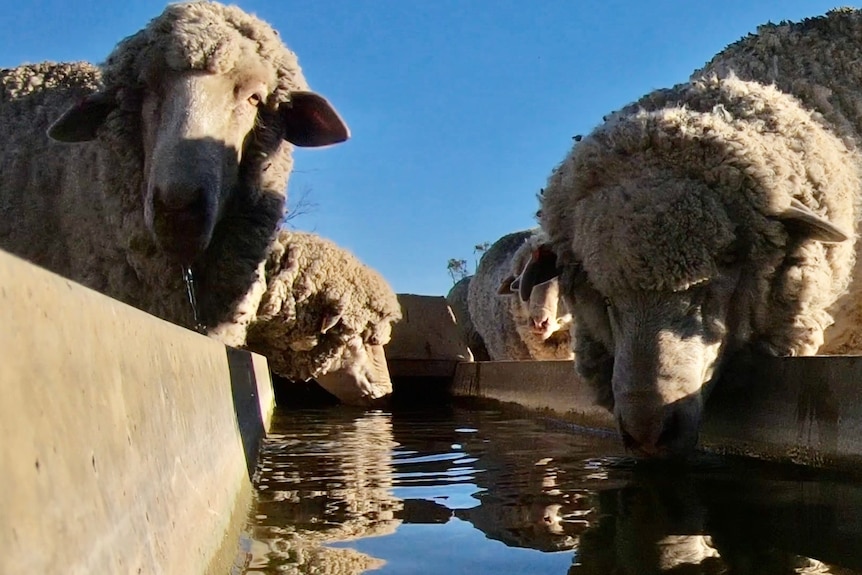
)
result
[(407, 392), (246, 404)]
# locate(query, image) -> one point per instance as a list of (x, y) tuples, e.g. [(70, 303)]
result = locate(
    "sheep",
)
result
[(325, 316), (174, 154), (513, 301), (457, 300), (714, 220)]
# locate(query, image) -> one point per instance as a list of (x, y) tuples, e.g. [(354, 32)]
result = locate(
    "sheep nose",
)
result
[(179, 197), (653, 438), (540, 324)]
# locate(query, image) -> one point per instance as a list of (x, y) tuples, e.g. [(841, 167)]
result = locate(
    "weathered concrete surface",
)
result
[(121, 451), (802, 409), (426, 342), (798, 409), (540, 385)]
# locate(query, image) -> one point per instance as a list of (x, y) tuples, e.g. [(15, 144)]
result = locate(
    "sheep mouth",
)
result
[(545, 330), (182, 234)]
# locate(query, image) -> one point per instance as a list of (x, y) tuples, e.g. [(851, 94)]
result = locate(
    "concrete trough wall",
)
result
[(126, 443), (426, 342), (424, 351), (804, 410)]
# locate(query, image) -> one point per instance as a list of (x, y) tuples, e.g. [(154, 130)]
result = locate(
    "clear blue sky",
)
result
[(459, 109)]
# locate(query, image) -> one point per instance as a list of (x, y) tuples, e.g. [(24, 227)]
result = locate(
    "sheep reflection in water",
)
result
[(664, 524), (334, 484), (320, 484), (528, 506)]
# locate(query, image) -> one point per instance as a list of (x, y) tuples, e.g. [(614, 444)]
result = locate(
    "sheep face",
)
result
[(193, 132), (666, 347), (359, 375), (195, 128), (535, 289), (654, 287)]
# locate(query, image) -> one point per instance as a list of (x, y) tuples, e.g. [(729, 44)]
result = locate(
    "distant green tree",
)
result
[(457, 270)]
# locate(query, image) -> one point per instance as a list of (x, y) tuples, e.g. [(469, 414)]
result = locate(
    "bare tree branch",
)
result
[(478, 251), (300, 204)]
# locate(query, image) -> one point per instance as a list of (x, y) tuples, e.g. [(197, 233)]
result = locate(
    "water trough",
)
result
[(128, 443)]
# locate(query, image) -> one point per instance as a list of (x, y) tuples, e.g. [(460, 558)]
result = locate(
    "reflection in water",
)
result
[(638, 532), (739, 519), (326, 483), (476, 491)]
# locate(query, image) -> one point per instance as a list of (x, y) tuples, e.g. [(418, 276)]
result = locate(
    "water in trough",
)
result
[(467, 489)]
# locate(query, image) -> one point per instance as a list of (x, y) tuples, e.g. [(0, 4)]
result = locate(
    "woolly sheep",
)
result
[(714, 218), (457, 300), (325, 315), (175, 152), (514, 303)]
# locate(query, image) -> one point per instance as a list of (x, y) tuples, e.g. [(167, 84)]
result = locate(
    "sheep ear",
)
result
[(81, 122), (328, 322), (309, 120), (541, 268), (800, 219), (506, 285)]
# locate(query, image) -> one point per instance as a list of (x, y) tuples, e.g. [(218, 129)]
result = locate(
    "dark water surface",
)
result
[(479, 490)]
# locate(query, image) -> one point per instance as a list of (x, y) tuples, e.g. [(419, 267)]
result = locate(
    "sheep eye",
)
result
[(255, 99), (607, 302)]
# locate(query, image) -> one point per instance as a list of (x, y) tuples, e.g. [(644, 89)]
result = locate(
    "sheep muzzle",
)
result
[(184, 196)]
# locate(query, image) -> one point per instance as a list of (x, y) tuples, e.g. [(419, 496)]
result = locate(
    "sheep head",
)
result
[(670, 295), (211, 95), (359, 375), (535, 286)]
